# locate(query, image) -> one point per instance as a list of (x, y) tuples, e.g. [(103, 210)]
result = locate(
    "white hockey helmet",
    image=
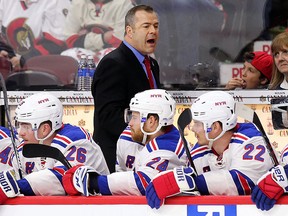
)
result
[(39, 108), (212, 107), (154, 101)]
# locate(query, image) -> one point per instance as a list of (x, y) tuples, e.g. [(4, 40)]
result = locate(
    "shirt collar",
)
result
[(138, 55)]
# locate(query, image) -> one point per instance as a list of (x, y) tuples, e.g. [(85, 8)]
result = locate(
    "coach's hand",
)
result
[(169, 183), (76, 181), (8, 186)]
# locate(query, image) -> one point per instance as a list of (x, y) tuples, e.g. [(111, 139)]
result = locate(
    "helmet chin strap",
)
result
[(41, 141), (145, 134), (144, 138), (212, 140)]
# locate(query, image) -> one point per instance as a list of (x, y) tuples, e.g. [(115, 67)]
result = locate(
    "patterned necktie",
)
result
[(149, 72)]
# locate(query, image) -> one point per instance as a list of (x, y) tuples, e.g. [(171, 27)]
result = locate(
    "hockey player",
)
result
[(39, 120), (6, 148), (150, 145), (229, 157)]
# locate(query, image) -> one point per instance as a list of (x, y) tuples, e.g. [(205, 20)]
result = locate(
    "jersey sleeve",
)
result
[(249, 161), (135, 182), (45, 182), (6, 148), (126, 151)]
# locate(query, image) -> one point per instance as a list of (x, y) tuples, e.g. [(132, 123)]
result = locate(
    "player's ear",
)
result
[(216, 126), (45, 129), (153, 121)]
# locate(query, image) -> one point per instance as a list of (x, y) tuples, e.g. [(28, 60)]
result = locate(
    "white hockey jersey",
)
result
[(87, 20), (237, 170), (24, 22), (43, 176), (138, 164), (6, 148)]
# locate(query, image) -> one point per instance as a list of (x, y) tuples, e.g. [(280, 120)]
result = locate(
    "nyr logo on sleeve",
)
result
[(211, 210)]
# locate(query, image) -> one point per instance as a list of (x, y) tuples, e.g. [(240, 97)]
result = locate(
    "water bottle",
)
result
[(91, 70), (82, 71)]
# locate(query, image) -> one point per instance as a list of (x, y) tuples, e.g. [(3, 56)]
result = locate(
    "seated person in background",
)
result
[(151, 144), (32, 33), (6, 148), (229, 157), (279, 49), (8, 53), (256, 74), (39, 120), (96, 24)]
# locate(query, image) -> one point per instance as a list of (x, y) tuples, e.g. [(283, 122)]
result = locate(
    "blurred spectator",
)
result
[(8, 53), (257, 72), (95, 24), (33, 27)]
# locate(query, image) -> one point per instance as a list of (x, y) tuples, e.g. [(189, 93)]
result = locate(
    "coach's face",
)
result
[(143, 35)]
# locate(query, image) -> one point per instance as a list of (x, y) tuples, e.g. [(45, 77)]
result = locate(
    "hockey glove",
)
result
[(169, 183), (8, 186), (77, 179), (270, 187), (110, 40)]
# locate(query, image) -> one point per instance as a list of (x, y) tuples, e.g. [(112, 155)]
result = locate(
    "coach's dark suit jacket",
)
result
[(118, 77)]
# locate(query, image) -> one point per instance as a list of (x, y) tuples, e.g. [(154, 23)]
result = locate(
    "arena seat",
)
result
[(63, 67), (32, 80)]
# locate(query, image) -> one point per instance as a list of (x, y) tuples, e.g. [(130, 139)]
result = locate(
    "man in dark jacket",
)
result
[(120, 75)]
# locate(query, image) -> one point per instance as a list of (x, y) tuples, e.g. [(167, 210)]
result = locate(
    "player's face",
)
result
[(26, 132), (281, 60), (198, 129), (135, 125), (250, 76), (144, 33)]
